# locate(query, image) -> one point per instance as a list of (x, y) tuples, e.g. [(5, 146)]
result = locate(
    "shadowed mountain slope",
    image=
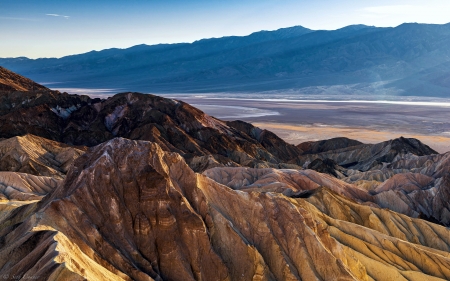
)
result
[(314, 147), (176, 126)]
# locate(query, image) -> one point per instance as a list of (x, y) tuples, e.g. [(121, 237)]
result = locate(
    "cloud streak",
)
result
[(21, 19), (56, 15)]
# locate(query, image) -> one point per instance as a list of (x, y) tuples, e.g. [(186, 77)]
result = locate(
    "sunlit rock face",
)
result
[(127, 210), (292, 183), (418, 187), (37, 156)]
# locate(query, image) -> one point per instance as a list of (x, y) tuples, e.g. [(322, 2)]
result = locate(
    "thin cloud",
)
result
[(21, 19), (56, 15)]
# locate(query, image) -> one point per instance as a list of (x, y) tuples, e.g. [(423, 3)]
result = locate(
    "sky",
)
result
[(56, 28)]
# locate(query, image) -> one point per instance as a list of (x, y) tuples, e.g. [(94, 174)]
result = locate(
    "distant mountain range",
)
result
[(412, 59)]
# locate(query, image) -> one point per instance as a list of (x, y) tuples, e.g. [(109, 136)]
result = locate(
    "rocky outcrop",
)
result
[(152, 218), (127, 210), (315, 147), (328, 166), (366, 157), (291, 183), (417, 187), (42, 114), (391, 246), (37, 156), (24, 187), (402, 175)]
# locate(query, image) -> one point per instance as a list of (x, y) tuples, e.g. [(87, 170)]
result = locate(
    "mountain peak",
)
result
[(356, 27)]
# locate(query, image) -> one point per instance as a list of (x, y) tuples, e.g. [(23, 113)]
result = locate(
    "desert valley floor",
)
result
[(297, 121)]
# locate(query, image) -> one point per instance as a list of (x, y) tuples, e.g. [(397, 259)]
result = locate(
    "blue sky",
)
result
[(55, 28)]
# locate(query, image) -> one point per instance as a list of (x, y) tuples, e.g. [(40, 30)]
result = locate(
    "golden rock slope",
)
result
[(37, 156), (127, 210)]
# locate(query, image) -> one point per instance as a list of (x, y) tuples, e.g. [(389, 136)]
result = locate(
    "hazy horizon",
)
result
[(56, 29)]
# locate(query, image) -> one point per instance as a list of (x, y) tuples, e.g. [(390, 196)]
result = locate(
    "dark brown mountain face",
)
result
[(204, 141), (267, 139), (12, 82), (314, 147), (327, 166), (174, 125)]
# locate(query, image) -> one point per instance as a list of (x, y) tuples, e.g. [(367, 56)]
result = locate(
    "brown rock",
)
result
[(315, 147), (365, 157), (11, 82), (37, 156)]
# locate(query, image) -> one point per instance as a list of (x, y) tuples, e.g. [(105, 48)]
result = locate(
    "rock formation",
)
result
[(315, 147), (366, 157), (127, 210), (22, 188), (174, 125), (37, 156), (132, 207), (327, 166), (291, 183)]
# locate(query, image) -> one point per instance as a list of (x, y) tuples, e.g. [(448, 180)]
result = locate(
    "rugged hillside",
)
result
[(19, 188), (11, 82), (403, 175), (37, 156), (411, 58), (366, 157), (203, 140), (121, 215), (417, 186), (176, 126), (315, 147), (291, 183)]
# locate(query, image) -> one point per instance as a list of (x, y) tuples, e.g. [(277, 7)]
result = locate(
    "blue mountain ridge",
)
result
[(413, 58)]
